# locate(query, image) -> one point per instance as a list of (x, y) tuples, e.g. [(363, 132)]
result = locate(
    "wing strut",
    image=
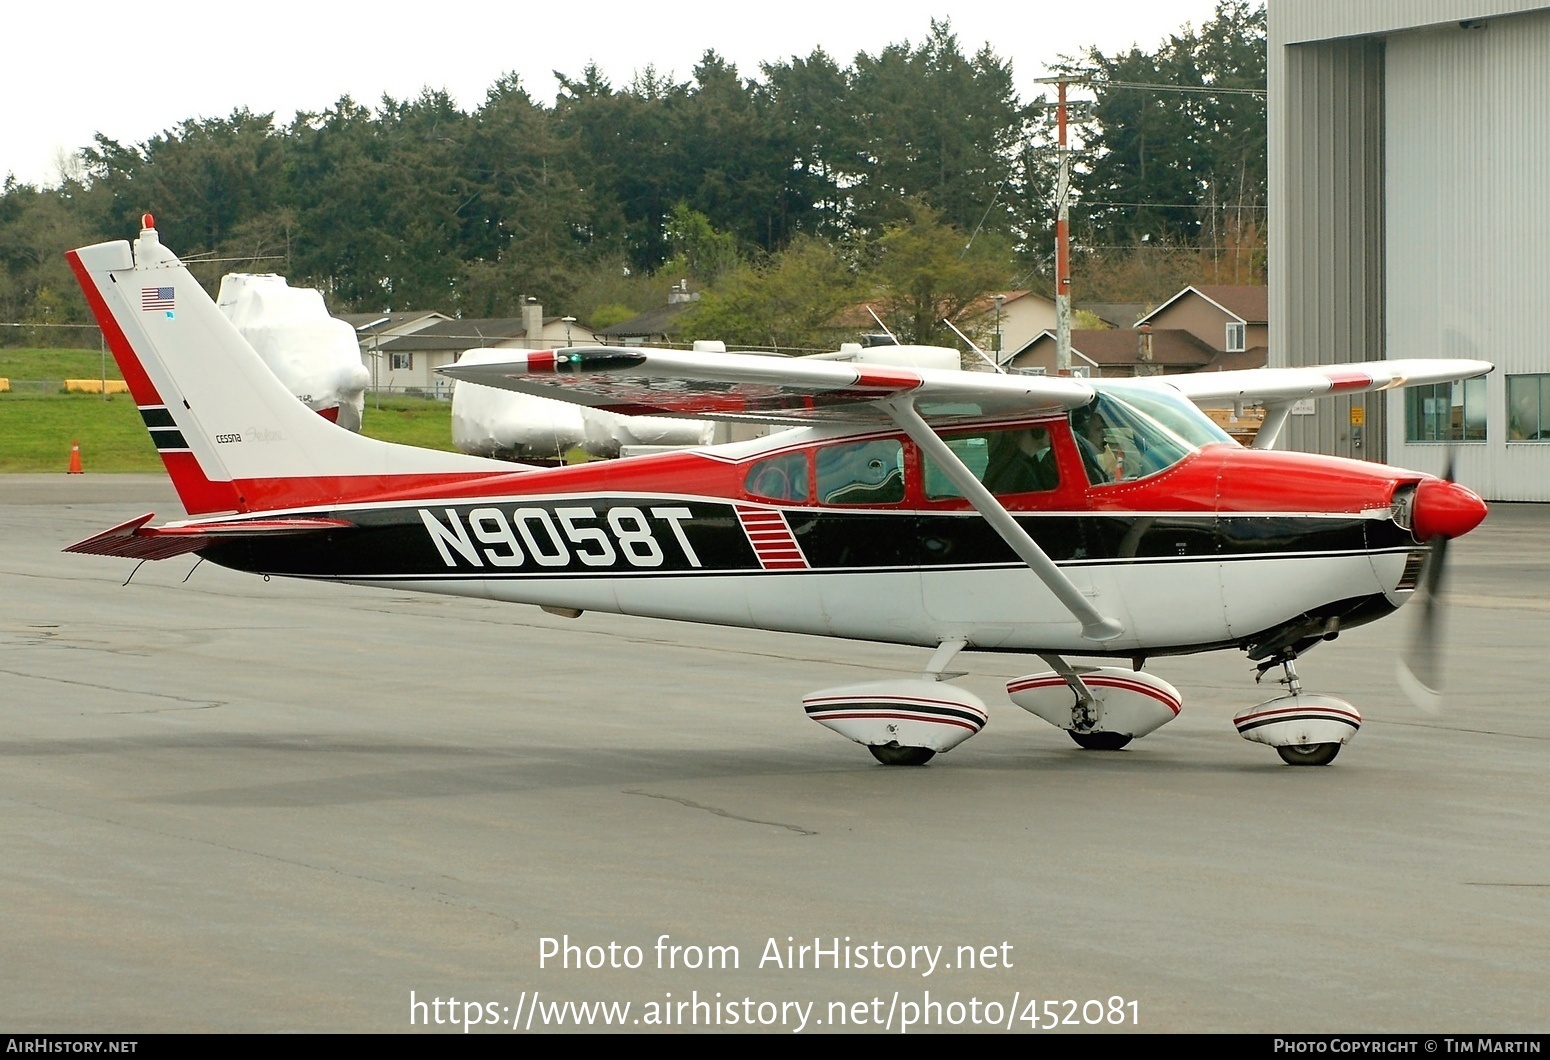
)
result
[(1275, 418), (1095, 625)]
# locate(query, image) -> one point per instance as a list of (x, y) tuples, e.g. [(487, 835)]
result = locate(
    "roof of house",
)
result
[(1120, 314), (1249, 303), (394, 320), (987, 303), (1172, 348), (662, 320), (1121, 346), (467, 333)]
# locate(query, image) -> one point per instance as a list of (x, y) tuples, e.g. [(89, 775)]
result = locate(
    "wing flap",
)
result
[(135, 540), (638, 381)]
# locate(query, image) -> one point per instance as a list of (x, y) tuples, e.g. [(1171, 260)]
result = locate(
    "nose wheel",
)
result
[(1305, 728)]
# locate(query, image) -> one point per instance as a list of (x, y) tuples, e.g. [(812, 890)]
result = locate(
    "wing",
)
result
[(1275, 386), (637, 381)]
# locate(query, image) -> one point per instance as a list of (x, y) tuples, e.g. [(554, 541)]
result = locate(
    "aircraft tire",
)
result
[(1313, 754), (1099, 741), (894, 755)]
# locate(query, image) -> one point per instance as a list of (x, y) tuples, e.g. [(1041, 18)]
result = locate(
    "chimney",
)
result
[(679, 292), (533, 324), (1144, 343)]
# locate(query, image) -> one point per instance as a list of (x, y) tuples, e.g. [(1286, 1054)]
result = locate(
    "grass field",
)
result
[(36, 430), (54, 365)]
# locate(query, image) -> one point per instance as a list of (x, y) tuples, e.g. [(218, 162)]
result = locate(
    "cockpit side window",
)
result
[(861, 472), (1130, 434), (1019, 460), (778, 478)]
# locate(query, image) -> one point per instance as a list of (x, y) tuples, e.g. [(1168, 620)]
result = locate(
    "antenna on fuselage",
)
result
[(983, 355), (880, 324)]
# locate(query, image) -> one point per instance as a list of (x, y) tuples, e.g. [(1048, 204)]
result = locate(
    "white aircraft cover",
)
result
[(487, 422), (314, 355)]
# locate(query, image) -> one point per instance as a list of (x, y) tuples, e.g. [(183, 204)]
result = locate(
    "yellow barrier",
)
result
[(94, 386), (5, 384)]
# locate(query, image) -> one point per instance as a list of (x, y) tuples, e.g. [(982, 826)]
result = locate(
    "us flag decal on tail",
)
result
[(156, 298)]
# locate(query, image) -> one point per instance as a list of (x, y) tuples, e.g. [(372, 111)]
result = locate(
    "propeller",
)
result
[(1419, 670)]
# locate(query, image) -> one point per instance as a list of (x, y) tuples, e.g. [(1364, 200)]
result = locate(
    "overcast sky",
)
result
[(130, 71)]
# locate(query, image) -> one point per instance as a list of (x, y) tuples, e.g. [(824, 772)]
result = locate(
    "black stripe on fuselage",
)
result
[(630, 536)]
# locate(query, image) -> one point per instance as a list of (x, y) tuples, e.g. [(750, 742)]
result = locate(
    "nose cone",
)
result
[(1445, 509)]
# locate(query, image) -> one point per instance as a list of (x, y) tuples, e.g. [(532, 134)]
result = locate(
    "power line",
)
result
[(1152, 86), (1215, 90), (1169, 205)]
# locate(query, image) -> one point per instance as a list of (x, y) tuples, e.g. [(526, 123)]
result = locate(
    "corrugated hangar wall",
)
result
[(1327, 249), (1468, 150), (1410, 212)]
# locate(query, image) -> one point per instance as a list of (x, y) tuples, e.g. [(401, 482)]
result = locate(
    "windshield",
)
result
[(1130, 433)]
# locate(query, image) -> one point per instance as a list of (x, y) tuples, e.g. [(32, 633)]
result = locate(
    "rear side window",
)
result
[(1006, 461), (778, 478), (861, 473)]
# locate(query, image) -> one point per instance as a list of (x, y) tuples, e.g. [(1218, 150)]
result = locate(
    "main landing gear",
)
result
[(908, 722), (1100, 741), (1103, 708), (893, 755)]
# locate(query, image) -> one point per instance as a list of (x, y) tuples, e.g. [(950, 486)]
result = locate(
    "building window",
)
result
[(1528, 408), (1237, 337), (1446, 412), (401, 362)]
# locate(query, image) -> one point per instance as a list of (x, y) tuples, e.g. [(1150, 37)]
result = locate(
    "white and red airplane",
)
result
[(1104, 520)]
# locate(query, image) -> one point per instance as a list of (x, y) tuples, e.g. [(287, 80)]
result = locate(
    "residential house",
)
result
[(1010, 319), (1201, 329), (655, 327), (409, 361)]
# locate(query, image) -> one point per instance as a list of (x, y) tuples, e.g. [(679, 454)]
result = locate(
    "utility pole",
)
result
[(1062, 229), (1063, 245)]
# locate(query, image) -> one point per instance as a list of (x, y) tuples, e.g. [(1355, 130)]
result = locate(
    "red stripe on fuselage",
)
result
[(1218, 478)]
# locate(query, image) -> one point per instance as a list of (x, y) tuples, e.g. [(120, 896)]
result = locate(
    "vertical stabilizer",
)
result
[(231, 435)]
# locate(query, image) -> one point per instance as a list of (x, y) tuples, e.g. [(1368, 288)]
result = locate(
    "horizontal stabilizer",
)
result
[(135, 540)]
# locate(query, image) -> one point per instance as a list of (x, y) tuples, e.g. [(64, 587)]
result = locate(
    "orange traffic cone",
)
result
[(75, 458)]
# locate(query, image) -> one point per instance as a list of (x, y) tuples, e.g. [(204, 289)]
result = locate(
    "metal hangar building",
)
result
[(1409, 216)]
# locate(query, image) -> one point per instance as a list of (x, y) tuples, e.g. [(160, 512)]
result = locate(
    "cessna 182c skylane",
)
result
[(950, 510)]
